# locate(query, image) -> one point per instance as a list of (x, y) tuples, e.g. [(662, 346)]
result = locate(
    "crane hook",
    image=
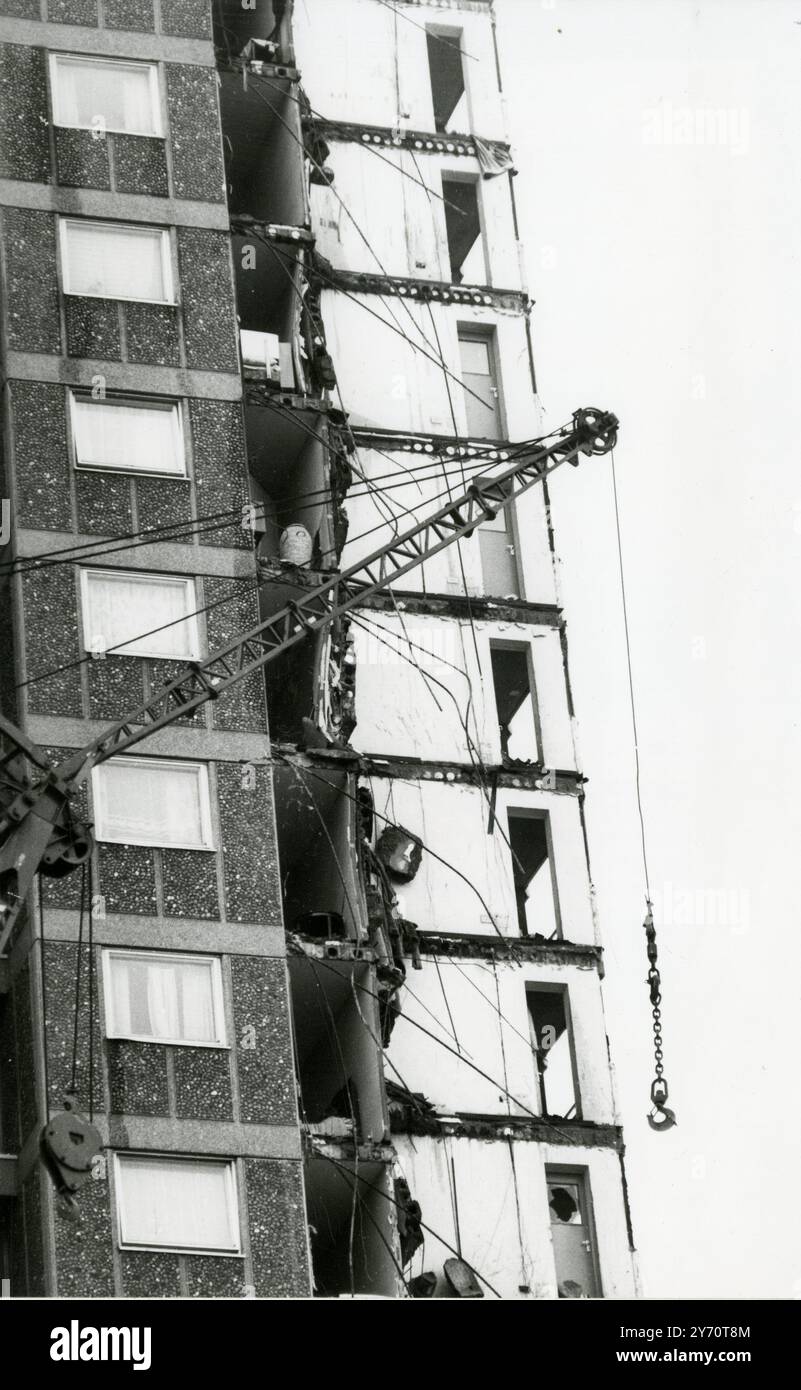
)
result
[(661, 1117)]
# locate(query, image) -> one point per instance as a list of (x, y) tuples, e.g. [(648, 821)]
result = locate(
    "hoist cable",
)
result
[(659, 1086)]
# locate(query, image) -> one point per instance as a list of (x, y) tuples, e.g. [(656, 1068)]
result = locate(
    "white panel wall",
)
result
[(409, 238), (361, 63), (488, 1211), (399, 712), (451, 818), (387, 382), (458, 1004)]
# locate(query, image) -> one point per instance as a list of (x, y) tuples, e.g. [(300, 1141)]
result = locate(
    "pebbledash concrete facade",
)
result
[(394, 886)]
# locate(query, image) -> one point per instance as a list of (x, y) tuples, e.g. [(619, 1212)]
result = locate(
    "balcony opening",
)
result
[(515, 702), (463, 226), (446, 70), (339, 1064), (551, 1039), (316, 838), (532, 872), (293, 515), (260, 30), (263, 146), (349, 1210)]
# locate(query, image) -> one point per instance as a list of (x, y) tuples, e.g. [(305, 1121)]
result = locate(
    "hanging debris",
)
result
[(409, 1217), (400, 852)]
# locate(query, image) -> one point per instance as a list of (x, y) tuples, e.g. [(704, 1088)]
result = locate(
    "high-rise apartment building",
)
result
[(335, 966)]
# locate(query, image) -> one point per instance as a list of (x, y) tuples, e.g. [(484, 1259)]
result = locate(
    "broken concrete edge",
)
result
[(532, 777), (317, 1146), (404, 1119), (434, 141), (412, 287), (565, 782), (459, 605), (515, 949), (349, 951)]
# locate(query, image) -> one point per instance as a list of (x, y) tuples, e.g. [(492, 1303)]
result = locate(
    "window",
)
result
[(157, 997), (153, 801), (114, 260), (120, 604), (514, 702), (463, 228), (479, 378), (500, 573), (531, 868), (105, 94), (127, 436), (552, 1042), (573, 1234), (177, 1203), (447, 79)]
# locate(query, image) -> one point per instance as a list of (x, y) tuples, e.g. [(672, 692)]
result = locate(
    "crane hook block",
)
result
[(69, 1144)]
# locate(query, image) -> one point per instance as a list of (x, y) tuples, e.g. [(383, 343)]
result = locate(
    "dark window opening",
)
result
[(514, 702), (531, 867), (463, 226), (553, 1051), (350, 1208), (447, 81)]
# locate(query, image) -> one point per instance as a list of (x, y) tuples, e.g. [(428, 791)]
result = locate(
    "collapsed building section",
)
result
[(383, 913)]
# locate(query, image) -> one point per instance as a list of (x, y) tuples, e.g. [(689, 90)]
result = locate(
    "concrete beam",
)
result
[(113, 206), (522, 948), (570, 1133)]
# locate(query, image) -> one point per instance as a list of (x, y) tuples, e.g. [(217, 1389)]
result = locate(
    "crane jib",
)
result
[(591, 431)]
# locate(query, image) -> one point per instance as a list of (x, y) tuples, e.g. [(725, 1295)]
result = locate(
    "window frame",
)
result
[(504, 644), (534, 987), (522, 812), (168, 278), (189, 583), (446, 176), (167, 405), (231, 1194), (453, 35), (96, 59), (206, 817), (111, 953)]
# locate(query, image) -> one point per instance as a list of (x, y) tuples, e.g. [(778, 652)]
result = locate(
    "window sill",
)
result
[(111, 130), (130, 472), (120, 299), (168, 1042)]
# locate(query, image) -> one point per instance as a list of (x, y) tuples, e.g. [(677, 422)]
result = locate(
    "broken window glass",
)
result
[(514, 702), (553, 1050), (447, 81), (536, 907), (463, 226)]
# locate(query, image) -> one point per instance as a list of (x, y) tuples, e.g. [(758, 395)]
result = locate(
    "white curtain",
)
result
[(115, 261), (118, 606), (121, 94), (163, 999), (151, 803), (177, 1202), (127, 436)]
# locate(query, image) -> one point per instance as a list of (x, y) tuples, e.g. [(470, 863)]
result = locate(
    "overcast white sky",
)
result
[(659, 150)]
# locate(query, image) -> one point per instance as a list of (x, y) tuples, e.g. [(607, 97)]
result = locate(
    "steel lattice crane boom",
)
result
[(38, 829)]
